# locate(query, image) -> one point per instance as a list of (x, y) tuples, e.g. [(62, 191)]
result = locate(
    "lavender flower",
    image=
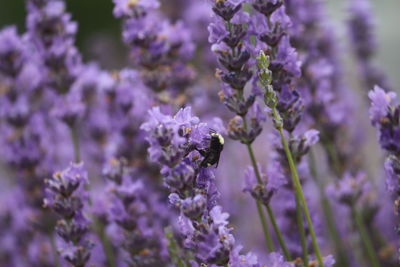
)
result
[(364, 44), (262, 192), (20, 78), (175, 143), (227, 35), (159, 50), (17, 221), (270, 27), (66, 196), (322, 88), (384, 114), (52, 32), (23, 140), (349, 189), (138, 214)]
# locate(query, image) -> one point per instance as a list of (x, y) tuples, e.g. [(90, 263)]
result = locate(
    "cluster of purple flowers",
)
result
[(151, 180), (384, 115), (65, 197)]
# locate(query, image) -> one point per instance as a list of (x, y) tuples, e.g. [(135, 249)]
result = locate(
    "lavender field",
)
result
[(199, 133)]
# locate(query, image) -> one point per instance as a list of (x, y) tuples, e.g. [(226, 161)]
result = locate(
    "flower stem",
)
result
[(300, 224), (54, 248), (107, 247), (173, 248), (298, 188), (75, 142), (264, 224), (342, 259), (302, 230), (365, 238), (261, 215), (333, 156), (278, 233), (269, 210)]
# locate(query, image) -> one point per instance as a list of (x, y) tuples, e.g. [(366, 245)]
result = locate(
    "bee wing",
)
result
[(205, 161), (217, 159)]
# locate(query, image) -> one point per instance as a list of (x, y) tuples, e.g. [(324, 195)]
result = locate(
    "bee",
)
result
[(212, 153)]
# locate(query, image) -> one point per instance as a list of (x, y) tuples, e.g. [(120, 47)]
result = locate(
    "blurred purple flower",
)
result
[(66, 196), (380, 103)]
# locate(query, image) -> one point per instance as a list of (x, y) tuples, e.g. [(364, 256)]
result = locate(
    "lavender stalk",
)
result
[(271, 101), (271, 216), (384, 115), (229, 36), (66, 196), (365, 237)]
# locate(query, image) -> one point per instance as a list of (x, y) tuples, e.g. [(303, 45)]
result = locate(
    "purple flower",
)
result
[(261, 191), (361, 29), (311, 137), (385, 117), (392, 168), (237, 131), (69, 108), (160, 49), (283, 65), (349, 189), (267, 7), (192, 185), (380, 103), (247, 260), (52, 34), (12, 51), (276, 259), (130, 7), (137, 213), (66, 196), (217, 32)]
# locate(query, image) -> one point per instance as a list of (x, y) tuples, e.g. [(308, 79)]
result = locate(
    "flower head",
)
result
[(380, 103)]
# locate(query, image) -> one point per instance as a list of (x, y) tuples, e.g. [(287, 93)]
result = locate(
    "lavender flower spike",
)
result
[(385, 116), (176, 144), (66, 196), (361, 29)]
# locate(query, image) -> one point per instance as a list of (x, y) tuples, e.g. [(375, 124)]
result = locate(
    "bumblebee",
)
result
[(212, 153)]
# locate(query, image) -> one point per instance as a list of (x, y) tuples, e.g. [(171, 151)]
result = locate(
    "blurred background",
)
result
[(99, 33)]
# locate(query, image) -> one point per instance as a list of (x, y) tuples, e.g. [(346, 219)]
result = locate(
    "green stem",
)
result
[(267, 236), (270, 26), (342, 259), (173, 248), (269, 210), (302, 231), (336, 166), (300, 224), (75, 142), (261, 215), (279, 235), (299, 189), (365, 238), (55, 252), (107, 247)]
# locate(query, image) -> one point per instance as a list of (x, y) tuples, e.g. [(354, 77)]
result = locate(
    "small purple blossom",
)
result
[(361, 25), (380, 103), (262, 192), (66, 196), (349, 189)]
